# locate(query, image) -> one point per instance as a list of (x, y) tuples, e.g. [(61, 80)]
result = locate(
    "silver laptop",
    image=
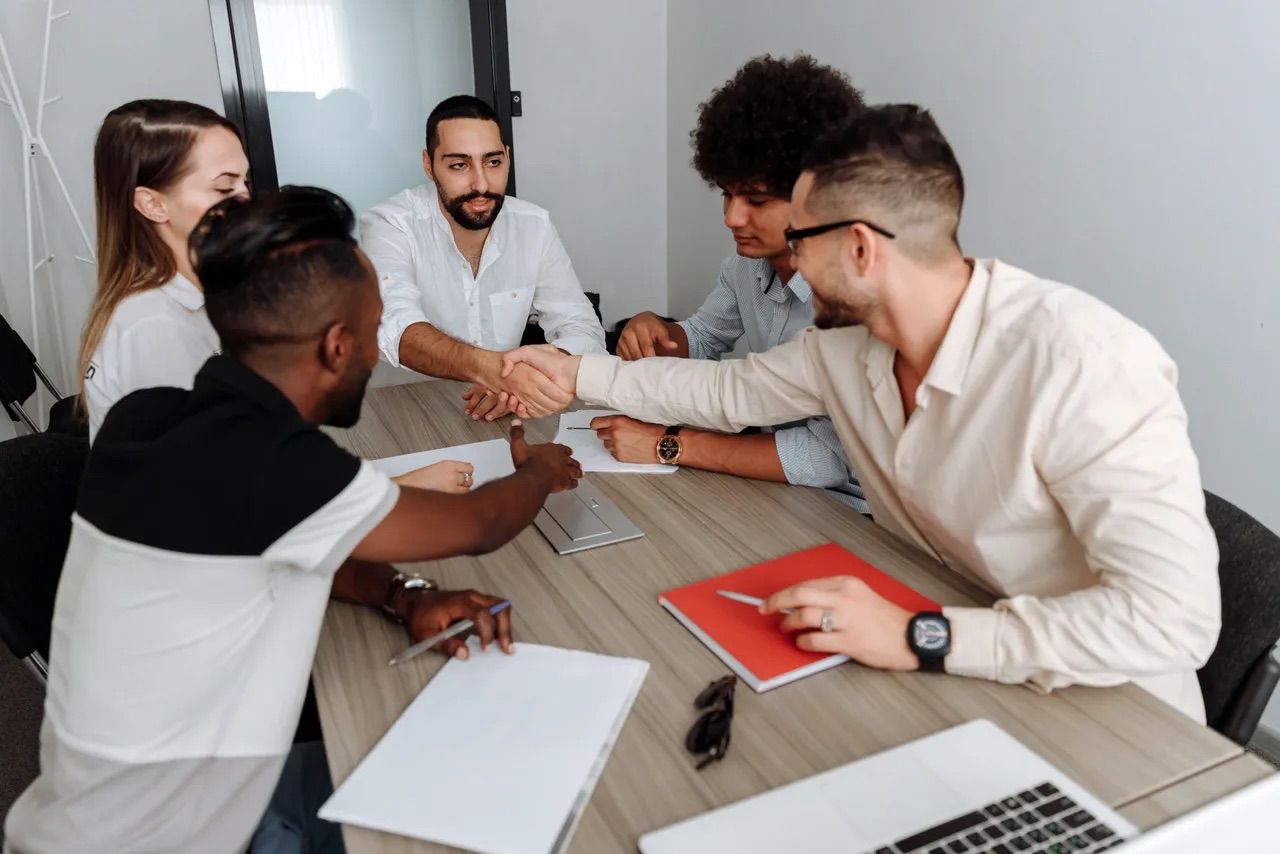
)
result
[(972, 789), (1243, 821), (583, 518)]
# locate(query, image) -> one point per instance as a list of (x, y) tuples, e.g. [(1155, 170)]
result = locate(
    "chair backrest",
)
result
[(1249, 575), (17, 366), (39, 480)]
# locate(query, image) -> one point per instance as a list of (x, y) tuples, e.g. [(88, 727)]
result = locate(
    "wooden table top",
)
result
[(1121, 743)]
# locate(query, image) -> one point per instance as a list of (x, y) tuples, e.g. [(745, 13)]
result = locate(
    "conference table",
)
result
[(1131, 750)]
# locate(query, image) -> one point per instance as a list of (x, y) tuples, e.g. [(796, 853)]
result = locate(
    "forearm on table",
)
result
[(427, 350), (754, 456)]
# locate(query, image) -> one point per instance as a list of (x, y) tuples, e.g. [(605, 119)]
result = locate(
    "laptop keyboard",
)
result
[(1041, 820)]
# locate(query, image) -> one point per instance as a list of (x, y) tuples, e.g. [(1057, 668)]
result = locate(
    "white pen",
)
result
[(745, 599)]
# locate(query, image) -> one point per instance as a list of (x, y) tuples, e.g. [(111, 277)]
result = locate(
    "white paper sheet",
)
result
[(498, 754), (590, 451), (492, 460)]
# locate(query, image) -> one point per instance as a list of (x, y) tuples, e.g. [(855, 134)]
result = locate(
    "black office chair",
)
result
[(19, 371), (533, 333), (1241, 675), (39, 481)]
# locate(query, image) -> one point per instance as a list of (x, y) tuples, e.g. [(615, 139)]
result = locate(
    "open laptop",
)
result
[(972, 789)]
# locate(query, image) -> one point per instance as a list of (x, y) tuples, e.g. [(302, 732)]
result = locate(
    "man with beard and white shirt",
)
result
[(461, 267)]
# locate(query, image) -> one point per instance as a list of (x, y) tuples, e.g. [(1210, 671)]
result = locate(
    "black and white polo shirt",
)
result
[(208, 528)]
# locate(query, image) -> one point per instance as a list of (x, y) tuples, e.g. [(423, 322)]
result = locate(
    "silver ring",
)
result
[(828, 623), (466, 478)]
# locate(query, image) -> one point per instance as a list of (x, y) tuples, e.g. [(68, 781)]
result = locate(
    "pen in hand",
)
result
[(454, 630)]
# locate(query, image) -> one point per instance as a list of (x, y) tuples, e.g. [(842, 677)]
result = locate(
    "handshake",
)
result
[(531, 382)]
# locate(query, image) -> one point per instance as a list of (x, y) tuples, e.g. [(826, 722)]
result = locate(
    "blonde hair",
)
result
[(144, 143)]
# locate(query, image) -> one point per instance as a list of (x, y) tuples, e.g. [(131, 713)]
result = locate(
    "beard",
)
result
[(466, 219), (826, 316), (344, 410), (836, 315)]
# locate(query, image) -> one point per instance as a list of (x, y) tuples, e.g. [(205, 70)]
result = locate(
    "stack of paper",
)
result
[(498, 754), (590, 451), (491, 460)]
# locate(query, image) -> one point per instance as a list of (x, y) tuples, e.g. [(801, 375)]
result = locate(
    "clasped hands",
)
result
[(531, 382)]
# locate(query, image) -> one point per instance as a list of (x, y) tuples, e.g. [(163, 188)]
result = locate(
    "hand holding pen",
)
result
[(443, 619)]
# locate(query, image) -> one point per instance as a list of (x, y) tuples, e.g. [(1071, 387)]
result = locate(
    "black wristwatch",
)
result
[(929, 636), (669, 447)]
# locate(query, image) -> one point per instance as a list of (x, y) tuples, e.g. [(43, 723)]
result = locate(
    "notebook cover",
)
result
[(741, 636)]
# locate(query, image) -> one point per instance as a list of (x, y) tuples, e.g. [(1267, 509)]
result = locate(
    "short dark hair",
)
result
[(457, 107), (277, 268), (891, 165), (757, 126)]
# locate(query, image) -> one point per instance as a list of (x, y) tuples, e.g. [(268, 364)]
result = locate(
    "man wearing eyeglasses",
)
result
[(1020, 431), (750, 138)]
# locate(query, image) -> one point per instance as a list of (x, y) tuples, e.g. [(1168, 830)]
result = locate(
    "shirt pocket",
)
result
[(510, 311)]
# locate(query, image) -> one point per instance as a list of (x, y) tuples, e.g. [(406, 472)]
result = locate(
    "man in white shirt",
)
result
[(1021, 432), (462, 266)]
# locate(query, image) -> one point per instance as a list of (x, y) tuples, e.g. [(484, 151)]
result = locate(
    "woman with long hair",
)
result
[(158, 167)]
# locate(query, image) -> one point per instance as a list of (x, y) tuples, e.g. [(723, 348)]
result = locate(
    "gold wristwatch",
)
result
[(669, 447)]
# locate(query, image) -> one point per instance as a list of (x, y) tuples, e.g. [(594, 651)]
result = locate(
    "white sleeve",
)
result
[(566, 315), (390, 248), (326, 538)]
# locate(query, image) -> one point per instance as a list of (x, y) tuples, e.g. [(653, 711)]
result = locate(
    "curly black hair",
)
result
[(755, 129)]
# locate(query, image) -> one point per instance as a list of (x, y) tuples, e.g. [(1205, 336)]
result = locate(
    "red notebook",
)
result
[(750, 643)]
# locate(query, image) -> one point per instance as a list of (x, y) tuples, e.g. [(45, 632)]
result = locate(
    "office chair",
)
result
[(1241, 675), (39, 480), (19, 371), (533, 333)]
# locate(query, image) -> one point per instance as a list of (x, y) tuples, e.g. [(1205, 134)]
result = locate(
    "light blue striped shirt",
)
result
[(749, 299)]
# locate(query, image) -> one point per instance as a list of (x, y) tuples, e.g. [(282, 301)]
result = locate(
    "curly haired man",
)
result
[(749, 141)]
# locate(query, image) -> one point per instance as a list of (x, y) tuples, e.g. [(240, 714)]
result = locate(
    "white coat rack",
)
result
[(34, 152)]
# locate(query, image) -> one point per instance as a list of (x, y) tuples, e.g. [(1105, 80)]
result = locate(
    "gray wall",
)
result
[(591, 145), (1128, 149)]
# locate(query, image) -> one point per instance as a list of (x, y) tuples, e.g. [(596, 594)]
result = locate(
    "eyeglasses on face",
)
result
[(795, 235), (710, 732)]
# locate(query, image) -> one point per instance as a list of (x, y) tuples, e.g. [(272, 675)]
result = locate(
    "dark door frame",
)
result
[(244, 95)]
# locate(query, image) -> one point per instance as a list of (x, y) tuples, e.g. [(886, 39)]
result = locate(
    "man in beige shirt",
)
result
[(1020, 431)]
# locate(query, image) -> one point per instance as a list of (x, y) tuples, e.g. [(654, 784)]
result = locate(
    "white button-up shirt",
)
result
[(1047, 459), (160, 337), (523, 269)]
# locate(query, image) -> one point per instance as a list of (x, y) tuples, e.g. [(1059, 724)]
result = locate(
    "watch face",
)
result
[(668, 448), (930, 634)]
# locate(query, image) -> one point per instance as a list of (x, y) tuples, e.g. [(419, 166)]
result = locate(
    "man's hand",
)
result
[(446, 476), (556, 461), (646, 335), (867, 627), (430, 612), (629, 440), (559, 369), (489, 405)]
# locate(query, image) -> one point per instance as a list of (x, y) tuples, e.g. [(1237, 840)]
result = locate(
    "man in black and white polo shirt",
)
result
[(208, 531)]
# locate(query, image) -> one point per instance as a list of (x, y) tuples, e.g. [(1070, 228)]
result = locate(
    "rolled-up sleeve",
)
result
[(715, 328), (1117, 458), (564, 312), (811, 455), (390, 249), (775, 387)]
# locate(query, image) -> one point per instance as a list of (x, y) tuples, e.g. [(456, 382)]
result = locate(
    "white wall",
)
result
[(591, 146), (99, 59), (1125, 148)]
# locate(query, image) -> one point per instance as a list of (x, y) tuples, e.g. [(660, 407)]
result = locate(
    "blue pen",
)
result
[(456, 629)]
